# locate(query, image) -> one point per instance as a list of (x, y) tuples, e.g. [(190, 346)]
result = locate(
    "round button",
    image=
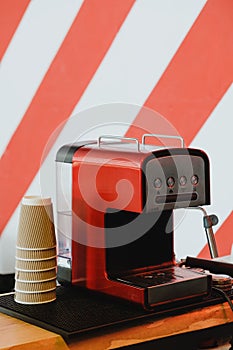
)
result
[(194, 180), (183, 180), (171, 182), (158, 183)]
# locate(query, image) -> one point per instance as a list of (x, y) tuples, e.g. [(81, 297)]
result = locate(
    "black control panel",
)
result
[(176, 181)]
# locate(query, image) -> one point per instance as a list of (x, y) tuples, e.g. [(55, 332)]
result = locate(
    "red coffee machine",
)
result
[(115, 203)]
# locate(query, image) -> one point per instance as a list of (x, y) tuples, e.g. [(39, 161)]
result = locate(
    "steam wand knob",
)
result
[(210, 220)]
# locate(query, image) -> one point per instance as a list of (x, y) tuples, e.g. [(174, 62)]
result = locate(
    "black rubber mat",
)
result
[(78, 311)]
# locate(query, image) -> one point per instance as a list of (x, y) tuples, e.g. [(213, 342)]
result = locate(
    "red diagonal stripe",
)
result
[(223, 239), (11, 12), (86, 43), (192, 85), (198, 75)]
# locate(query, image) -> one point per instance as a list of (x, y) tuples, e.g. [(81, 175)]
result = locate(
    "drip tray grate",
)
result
[(78, 311)]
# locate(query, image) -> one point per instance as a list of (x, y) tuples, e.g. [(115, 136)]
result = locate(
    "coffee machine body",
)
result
[(115, 219)]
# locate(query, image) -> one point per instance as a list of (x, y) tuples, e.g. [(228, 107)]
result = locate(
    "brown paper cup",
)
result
[(35, 298), (35, 276), (36, 227), (31, 265), (35, 287), (35, 254)]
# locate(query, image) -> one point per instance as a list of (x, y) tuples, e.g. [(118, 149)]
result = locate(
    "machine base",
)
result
[(169, 285)]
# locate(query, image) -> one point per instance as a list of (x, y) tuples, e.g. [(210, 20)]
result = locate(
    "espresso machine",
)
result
[(115, 205)]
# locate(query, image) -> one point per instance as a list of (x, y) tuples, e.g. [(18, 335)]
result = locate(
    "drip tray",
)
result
[(77, 311)]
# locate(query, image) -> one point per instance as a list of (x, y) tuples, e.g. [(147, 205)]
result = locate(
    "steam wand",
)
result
[(209, 221)]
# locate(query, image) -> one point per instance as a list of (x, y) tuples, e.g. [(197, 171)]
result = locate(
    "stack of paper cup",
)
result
[(35, 266)]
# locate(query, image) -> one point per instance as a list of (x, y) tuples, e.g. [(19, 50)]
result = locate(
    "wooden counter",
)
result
[(181, 324), (16, 334)]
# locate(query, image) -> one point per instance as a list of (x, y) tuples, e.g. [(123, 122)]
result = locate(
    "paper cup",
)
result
[(35, 276), (36, 227), (35, 298), (35, 265), (35, 287), (35, 254)]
